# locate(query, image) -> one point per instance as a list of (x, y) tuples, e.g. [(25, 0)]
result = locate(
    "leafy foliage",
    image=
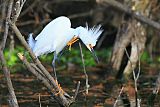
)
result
[(145, 57), (11, 56), (72, 56), (13, 62)]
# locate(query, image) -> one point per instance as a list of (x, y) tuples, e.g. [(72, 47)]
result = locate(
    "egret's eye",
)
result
[(91, 46)]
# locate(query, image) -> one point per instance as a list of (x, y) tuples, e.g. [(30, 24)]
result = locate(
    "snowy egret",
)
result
[(58, 34)]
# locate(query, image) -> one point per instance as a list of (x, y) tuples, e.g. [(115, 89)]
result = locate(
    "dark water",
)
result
[(31, 93)]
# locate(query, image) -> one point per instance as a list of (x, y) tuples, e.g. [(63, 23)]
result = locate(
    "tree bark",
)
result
[(12, 97), (128, 11)]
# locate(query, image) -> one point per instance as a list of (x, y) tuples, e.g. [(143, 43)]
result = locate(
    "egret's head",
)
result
[(89, 36)]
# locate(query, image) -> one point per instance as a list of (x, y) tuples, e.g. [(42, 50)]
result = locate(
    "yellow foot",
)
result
[(72, 41), (60, 89)]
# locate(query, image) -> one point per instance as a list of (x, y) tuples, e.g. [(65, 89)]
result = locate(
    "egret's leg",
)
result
[(55, 75), (54, 65)]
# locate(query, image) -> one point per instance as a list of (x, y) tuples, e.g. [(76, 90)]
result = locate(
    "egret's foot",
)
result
[(72, 41), (60, 92)]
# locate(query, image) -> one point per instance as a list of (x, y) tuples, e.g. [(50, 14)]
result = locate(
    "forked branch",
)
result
[(60, 97)]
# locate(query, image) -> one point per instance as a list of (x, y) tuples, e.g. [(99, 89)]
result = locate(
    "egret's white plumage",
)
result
[(89, 36), (31, 41), (55, 36)]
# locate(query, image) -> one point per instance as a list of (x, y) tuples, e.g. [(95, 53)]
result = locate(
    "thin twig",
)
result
[(134, 75), (12, 43), (18, 8), (33, 22), (135, 78), (152, 97), (39, 100), (115, 104), (77, 89), (139, 65), (29, 7), (3, 15), (88, 13), (157, 88), (84, 68)]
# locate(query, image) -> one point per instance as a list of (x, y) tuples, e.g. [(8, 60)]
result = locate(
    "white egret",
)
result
[(58, 34)]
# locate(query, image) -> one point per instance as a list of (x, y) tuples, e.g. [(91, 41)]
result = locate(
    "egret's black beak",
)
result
[(94, 55)]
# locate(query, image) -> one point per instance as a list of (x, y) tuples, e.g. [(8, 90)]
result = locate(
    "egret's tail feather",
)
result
[(31, 41)]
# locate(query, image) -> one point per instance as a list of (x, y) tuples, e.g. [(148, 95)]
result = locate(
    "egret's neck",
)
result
[(78, 31)]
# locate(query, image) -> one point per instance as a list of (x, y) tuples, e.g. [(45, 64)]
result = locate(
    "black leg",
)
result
[(53, 65)]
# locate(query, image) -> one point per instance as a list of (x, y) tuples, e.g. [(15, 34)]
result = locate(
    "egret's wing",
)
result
[(63, 37), (50, 44), (52, 38), (58, 24)]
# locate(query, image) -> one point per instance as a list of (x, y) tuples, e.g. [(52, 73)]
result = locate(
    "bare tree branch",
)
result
[(60, 93), (130, 12), (44, 75), (77, 89), (18, 7), (136, 77), (88, 13), (12, 99), (6, 24), (84, 68), (3, 15), (119, 96), (29, 7), (34, 72)]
